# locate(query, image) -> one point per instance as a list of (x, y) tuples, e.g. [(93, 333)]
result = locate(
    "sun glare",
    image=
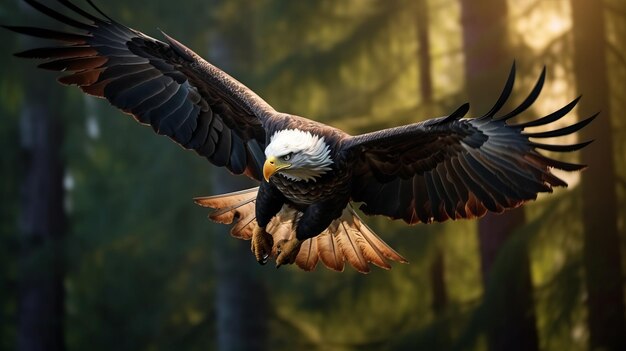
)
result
[(543, 23), (538, 25)]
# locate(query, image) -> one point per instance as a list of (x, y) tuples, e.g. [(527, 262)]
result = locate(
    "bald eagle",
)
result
[(310, 174)]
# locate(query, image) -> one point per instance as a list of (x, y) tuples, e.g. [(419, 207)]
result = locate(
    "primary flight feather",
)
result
[(443, 168)]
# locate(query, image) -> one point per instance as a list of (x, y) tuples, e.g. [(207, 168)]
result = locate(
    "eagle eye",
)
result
[(287, 157)]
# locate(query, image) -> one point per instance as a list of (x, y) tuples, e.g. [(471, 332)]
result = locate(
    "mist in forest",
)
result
[(102, 247)]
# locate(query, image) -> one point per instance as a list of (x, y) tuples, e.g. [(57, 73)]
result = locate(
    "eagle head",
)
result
[(297, 155)]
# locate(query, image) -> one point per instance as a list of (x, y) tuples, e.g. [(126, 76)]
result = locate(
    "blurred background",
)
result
[(101, 247)]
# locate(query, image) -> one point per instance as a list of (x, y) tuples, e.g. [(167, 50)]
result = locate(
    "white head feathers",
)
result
[(310, 155)]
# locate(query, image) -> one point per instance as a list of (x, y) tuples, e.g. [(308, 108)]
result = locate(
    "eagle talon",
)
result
[(287, 251), (261, 244)]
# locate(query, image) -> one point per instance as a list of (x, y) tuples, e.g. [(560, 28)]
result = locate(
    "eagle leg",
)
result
[(287, 251), (261, 244)]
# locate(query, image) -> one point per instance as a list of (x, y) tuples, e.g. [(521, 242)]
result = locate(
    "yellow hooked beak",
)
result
[(273, 165)]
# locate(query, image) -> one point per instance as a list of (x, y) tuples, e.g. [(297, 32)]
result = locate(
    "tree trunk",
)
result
[(602, 257), (437, 269), (510, 309), (42, 221), (241, 299), (510, 323), (242, 303), (424, 60)]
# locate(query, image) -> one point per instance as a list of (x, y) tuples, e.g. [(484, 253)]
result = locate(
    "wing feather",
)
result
[(328, 251), (346, 240), (161, 83), (307, 257), (456, 167)]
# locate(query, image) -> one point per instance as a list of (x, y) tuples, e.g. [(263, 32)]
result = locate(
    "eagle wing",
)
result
[(453, 167), (161, 84)]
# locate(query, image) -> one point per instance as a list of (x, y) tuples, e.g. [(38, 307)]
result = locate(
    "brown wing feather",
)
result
[(376, 250), (238, 207), (244, 227), (347, 241), (328, 251), (307, 257)]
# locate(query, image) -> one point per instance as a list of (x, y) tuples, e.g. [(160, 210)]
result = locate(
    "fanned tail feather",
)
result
[(238, 206), (328, 248), (347, 239)]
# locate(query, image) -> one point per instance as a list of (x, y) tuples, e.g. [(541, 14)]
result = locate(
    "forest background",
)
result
[(101, 247)]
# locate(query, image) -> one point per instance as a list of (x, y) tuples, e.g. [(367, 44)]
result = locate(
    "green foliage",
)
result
[(141, 263), (140, 250)]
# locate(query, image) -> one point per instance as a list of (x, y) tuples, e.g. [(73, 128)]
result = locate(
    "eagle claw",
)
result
[(287, 251), (261, 244)]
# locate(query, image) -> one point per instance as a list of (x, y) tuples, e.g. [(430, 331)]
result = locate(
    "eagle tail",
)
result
[(347, 239), (233, 207)]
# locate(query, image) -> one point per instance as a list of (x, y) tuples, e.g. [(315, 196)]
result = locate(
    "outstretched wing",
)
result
[(161, 84), (454, 167)]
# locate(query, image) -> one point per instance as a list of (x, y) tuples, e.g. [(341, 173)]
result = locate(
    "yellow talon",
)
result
[(287, 251), (261, 244)]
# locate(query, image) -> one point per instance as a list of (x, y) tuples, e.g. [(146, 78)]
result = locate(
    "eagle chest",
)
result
[(328, 187)]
